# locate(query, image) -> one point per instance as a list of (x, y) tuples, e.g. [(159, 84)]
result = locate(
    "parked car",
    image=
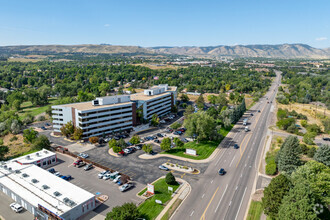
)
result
[(67, 178), (251, 114), (106, 176), (138, 146), (114, 175), (258, 110), (76, 162), (185, 140), (88, 167), (43, 128), (47, 124), (16, 207), (121, 153), (125, 187), (157, 141), (83, 155), (57, 174), (127, 150), (81, 164), (115, 180), (129, 144), (177, 132), (326, 139), (159, 135), (162, 121), (222, 172), (100, 175), (236, 146), (51, 170), (116, 138), (161, 167)]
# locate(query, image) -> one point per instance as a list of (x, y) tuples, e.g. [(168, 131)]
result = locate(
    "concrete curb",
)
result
[(181, 170), (110, 151)]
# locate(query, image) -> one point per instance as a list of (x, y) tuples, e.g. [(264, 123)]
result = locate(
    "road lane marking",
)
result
[(232, 161), (221, 198), (203, 195), (240, 203), (192, 213), (211, 181), (203, 216)]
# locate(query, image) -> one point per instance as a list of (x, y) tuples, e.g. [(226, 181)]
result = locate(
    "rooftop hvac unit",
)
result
[(71, 203), (34, 181), (46, 152), (37, 154), (57, 193), (5, 167), (28, 157), (45, 187), (9, 168), (17, 171), (25, 175)]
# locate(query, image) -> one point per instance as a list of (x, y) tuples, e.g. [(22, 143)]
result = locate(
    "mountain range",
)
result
[(268, 51)]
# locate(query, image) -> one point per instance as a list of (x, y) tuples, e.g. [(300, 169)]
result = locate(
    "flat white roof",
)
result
[(36, 156), (28, 181)]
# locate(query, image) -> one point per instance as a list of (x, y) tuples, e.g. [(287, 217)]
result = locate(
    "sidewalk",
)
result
[(181, 194)]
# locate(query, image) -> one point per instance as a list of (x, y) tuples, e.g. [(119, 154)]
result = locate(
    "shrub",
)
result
[(13, 139), (311, 152), (41, 118), (303, 123), (147, 148), (116, 149), (93, 140), (176, 125), (292, 129), (308, 138), (271, 168), (304, 148), (135, 139), (170, 179)]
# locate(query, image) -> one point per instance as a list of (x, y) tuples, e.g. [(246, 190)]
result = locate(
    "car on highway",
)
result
[(83, 155), (100, 175), (236, 146), (16, 207), (161, 167), (88, 167), (222, 172), (125, 187), (67, 178)]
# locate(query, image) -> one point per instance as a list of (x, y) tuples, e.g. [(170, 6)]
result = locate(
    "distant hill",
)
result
[(269, 51)]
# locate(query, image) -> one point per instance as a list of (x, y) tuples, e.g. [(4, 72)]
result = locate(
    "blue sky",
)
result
[(165, 22)]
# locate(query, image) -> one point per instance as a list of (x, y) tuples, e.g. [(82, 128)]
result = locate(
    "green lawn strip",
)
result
[(255, 211), (171, 210), (149, 208), (204, 148), (140, 193), (27, 107)]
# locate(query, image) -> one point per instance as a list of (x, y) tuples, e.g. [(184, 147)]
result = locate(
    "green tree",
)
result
[(184, 97), (212, 99), (289, 155), (67, 129), (154, 120), (322, 155), (298, 204), (29, 135), (121, 143), (311, 152), (147, 148), (17, 104), (170, 179), (175, 125), (273, 195), (200, 124), (135, 139), (178, 142), (112, 143), (116, 148), (165, 144), (309, 138), (3, 151), (200, 102), (317, 175), (77, 134), (41, 142), (128, 211), (189, 110)]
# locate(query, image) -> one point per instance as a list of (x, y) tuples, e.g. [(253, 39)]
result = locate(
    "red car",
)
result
[(77, 162), (182, 129), (121, 153)]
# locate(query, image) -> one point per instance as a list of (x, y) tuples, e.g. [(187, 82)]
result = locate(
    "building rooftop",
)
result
[(142, 96), (38, 186), (83, 106), (28, 159)]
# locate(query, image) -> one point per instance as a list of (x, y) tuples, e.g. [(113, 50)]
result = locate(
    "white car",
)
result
[(16, 207), (107, 176), (83, 155), (162, 121), (100, 175), (57, 174), (117, 179)]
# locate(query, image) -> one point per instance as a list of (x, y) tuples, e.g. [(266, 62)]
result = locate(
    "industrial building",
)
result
[(111, 114), (43, 194), (43, 158)]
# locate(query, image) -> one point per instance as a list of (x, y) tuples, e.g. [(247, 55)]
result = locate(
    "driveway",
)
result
[(7, 213)]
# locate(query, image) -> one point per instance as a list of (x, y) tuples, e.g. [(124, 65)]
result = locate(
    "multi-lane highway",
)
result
[(226, 197)]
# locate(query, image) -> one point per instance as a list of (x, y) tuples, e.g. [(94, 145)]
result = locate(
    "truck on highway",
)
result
[(245, 121)]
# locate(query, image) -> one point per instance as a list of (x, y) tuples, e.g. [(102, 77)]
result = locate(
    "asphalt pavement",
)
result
[(226, 197)]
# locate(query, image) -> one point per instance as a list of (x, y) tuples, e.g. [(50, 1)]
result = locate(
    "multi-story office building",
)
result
[(107, 115), (156, 100), (99, 117)]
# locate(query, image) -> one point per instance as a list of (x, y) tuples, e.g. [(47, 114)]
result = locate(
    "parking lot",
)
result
[(89, 181), (7, 213)]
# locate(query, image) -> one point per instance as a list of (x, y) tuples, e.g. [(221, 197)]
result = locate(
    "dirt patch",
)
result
[(15, 144), (257, 196)]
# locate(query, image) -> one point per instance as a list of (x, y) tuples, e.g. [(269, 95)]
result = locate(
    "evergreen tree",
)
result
[(289, 155), (322, 154)]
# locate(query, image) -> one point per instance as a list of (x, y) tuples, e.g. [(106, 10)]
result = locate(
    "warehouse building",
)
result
[(43, 194), (43, 158)]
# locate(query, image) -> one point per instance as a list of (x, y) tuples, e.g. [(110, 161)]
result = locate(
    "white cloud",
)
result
[(321, 38), (107, 25)]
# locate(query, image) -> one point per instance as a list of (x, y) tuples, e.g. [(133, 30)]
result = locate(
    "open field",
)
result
[(27, 107), (150, 209), (314, 113), (15, 144)]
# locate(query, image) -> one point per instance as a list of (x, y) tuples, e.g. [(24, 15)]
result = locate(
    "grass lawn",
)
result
[(149, 208), (27, 107), (255, 211), (204, 148)]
